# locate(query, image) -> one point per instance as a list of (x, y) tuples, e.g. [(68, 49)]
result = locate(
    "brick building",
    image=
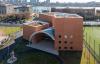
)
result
[(31, 27), (68, 30)]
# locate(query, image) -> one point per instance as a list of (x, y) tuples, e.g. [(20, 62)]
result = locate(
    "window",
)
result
[(71, 47), (65, 47), (59, 47), (59, 36), (59, 41)]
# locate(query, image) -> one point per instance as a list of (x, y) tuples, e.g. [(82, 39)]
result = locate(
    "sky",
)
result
[(83, 1)]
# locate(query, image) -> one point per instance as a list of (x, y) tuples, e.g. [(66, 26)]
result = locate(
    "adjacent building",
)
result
[(11, 1), (6, 9), (87, 13), (98, 13), (9, 9), (24, 1), (23, 9), (34, 1), (47, 1)]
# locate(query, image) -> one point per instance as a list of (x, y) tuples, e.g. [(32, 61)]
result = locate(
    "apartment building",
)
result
[(6, 9), (23, 9), (97, 12)]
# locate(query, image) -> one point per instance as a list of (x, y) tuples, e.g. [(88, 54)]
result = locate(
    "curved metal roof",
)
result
[(48, 31)]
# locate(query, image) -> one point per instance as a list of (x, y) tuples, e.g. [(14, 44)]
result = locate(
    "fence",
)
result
[(92, 41)]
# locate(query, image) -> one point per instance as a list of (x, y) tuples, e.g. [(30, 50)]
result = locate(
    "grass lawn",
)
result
[(9, 30), (92, 37), (86, 57)]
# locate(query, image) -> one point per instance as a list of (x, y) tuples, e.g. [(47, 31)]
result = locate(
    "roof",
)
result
[(48, 31), (23, 6), (57, 14), (36, 22), (62, 15)]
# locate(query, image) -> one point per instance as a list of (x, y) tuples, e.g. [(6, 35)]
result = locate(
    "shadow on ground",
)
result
[(28, 55)]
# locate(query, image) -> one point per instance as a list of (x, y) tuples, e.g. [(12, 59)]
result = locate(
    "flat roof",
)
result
[(62, 15), (25, 6), (66, 15)]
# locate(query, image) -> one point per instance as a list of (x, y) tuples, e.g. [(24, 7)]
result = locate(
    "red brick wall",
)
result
[(72, 29), (49, 18), (28, 30)]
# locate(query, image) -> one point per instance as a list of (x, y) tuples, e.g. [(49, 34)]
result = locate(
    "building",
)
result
[(38, 1), (34, 27), (60, 38), (24, 1), (90, 11), (87, 13), (10, 1), (47, 1), (98, 13), (63, 29), (20, 11), (23, 9), (34, 1), (6, 9), (17, 1)]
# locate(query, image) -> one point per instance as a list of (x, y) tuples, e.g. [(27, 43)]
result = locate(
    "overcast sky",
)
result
[(72, 0)]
